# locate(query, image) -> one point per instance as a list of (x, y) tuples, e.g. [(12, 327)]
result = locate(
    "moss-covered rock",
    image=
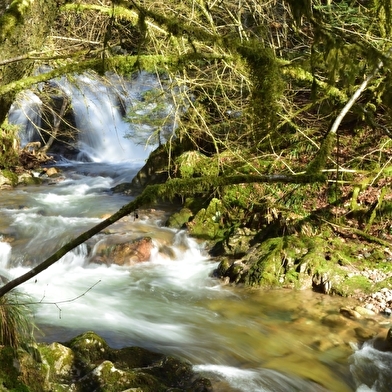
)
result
[(89, 347), (60, 361), (325, 263), (179, 219), (87, 363), (10, 375), (207, 224), (8, 179), (105, 369), (106, 377)]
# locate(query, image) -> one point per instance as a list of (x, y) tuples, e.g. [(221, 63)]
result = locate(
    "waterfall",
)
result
[(99, 105), (26, 112), (5, 254)]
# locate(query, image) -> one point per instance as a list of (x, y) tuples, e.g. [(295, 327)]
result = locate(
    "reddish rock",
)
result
[(127, 253)]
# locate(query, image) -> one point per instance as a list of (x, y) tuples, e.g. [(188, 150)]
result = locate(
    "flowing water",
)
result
[(243, 340)]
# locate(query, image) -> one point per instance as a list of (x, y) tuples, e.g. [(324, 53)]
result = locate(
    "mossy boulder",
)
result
[(207, 223), (89, 347), (18, 372), (96, 366), (87, 363), (179, 219), (273, 263), (60, 360), (326, 264), (107, 377), (8, 179)]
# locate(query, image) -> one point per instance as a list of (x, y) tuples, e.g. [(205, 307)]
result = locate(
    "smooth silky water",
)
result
[(243, 340)]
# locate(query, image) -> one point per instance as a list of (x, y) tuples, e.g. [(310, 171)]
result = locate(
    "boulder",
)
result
[(179, 219), (87, 363), (124, 253)]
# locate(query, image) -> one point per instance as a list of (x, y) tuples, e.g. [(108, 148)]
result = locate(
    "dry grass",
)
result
[(16, 326)]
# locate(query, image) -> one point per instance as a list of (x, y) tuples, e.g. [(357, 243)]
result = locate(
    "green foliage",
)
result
[(9, 146), (195, 164)]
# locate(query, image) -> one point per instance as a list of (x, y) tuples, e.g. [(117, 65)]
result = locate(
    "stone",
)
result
[(384, 344), (124, 253), (364, 312), (350, 313), (364, 333), (88, 347), (179, 219), (387, 311), (334, 321), (5, 182), (52, 171)]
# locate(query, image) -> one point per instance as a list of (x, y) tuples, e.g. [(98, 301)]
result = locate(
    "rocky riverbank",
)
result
[(87, 363)]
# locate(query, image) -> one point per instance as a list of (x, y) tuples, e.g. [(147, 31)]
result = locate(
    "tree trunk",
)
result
[(150, 194)]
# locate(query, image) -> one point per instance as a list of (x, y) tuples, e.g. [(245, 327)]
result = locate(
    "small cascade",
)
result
[(5, 254), (371, 368), (99, 105), (26, 112)]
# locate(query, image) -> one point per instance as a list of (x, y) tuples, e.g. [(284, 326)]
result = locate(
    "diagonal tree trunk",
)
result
[(150, 194), (319, 161)]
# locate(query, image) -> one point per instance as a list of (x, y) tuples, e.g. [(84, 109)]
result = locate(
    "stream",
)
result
[(243, 340)]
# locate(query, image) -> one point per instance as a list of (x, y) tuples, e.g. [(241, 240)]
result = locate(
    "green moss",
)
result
[(243, 196), (319, 161), (350, 285), (18, 373), (8, 372), (195, 164), (88, 347), (59, 358), (207, 222), (179, 219), (32, 180), (267, 270), (13, 16), (9, 146), (11, 176)]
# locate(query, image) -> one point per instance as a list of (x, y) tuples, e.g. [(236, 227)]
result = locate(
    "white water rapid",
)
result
[(244, 340), (99, 106)]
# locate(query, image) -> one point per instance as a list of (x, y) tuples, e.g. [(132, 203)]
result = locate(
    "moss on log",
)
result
[(151, 194)]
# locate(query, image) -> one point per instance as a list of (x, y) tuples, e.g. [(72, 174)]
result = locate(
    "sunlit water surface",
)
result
[(243, 340)]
